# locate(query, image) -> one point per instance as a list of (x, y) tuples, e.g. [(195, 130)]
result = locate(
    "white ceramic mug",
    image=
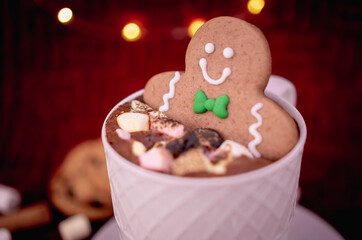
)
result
[(283, 88), (255, 205)]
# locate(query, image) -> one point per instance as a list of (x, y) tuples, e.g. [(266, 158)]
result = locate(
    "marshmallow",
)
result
[(137, 106), (235, 148), (230, 150), (10, 199), (175, 131), (156, 159), (156, 115), (190, 161), (161, 123), (133, 122), (5, 234), (194, 160), (75, 227), (138, 148), (122, 134)]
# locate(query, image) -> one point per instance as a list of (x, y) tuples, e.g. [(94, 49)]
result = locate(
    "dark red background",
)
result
[(58, 83)]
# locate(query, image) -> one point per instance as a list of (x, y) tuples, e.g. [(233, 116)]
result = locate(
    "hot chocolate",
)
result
[(156, 142)]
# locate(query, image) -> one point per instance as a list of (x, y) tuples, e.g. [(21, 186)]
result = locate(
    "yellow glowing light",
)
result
[(194, 26), (65, 15), (131, 32), (255, 6)]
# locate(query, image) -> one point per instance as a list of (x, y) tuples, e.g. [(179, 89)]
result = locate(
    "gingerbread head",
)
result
[(228, 66)]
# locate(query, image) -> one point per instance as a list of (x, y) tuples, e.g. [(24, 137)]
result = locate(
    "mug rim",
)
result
[(219, 180)]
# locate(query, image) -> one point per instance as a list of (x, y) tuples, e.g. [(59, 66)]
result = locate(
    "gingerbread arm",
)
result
[(164, 82), (278, 130)]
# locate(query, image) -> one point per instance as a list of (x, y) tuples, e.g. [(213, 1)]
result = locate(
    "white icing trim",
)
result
[(170, 94), (228, 52), (225, 73), (209, 48), (253, 131)]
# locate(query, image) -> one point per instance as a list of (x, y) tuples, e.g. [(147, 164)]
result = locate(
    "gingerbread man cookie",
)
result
[(228, 65)]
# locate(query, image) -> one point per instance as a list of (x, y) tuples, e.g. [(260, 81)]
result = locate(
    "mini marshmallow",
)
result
[(122, 134), (75, 227), (232, 149), (193, 160), (175, 132), (10, 199), (161, 123), (137, 106), (138, 148), (156, 115), (156, 159), (236, 149), (133, 122), (5, 234)]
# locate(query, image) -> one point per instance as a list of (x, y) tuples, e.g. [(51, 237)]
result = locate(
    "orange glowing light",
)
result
[(131, 32), (194, 26), (65, 15), (255, 6)]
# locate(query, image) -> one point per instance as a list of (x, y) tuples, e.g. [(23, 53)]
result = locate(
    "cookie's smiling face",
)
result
[(227, 53)]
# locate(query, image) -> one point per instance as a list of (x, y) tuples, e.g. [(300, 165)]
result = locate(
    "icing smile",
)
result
[(227, 52), (225, 73)]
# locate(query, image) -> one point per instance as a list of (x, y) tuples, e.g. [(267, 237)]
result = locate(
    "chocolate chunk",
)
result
[(199, 137), (208, 138), (176, 147), (180, 145), (149, 138), (191, 141)]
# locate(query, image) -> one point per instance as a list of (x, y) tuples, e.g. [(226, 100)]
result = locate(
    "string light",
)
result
[(194, 26), (131, 32), (65, 15), (255, 6)]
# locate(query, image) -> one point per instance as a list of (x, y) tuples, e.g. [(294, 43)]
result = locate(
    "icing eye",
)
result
[(228, 52), (209, 48)]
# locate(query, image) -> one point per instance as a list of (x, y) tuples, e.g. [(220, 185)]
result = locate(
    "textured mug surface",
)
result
[(255, 205)]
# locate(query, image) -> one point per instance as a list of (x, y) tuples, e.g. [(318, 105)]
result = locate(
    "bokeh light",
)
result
[(65, 15), (255, 6), (194, 26), (131, 32)]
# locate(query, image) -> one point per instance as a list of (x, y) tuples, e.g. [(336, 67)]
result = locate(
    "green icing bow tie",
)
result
[(218, 106)]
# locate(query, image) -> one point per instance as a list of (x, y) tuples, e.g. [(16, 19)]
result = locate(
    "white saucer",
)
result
[(305, 225)]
